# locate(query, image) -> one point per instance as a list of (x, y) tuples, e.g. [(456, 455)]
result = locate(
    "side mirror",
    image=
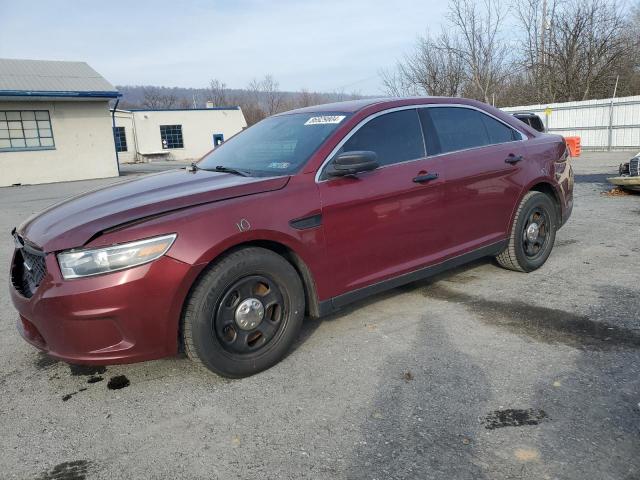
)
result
[(350, 163)]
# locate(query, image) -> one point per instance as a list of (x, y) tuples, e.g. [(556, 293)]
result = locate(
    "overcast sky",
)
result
[(319, 45)]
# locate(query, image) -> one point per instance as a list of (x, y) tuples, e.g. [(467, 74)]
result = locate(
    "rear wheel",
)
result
[(244, 313), (532, 235)]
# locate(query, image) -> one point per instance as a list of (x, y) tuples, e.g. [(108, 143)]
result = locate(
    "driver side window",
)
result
[(395, 137)]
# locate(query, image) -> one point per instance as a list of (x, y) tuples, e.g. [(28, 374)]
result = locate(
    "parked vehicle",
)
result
[(302, 213), (531, 119), (628, 175)]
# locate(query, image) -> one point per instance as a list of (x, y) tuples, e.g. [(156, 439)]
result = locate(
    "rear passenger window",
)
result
[(395, 137), (448, 129), (498, 131)]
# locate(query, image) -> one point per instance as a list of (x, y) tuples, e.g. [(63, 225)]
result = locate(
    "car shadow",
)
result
[(455, 275), (594, 177)]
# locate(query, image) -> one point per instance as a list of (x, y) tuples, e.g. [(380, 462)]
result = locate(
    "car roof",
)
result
[(349, 106), (352, 106)]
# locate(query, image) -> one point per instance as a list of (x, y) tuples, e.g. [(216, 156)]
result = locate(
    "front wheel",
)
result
[(532, 235), (244, 313)]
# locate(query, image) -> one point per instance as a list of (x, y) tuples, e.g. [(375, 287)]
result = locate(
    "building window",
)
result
[(120, 138), (171, 136), (25, 129)]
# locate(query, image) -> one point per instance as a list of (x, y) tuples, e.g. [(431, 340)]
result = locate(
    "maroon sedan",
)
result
[(302, 213)]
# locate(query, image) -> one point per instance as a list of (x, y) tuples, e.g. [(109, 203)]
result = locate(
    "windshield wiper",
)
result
[(235, 171), (219, 168)]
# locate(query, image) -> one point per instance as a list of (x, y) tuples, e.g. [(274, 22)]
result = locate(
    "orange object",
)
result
[(573, 144)]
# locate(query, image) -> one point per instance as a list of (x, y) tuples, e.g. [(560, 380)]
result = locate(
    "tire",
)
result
[(222, 328), (521, 253)]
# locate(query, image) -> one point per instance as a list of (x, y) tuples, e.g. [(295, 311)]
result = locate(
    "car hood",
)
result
[(73, 222)]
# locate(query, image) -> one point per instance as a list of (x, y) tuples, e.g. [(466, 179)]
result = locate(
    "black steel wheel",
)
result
[(535, 234), (532, 234), (244, 313), (249, 314)]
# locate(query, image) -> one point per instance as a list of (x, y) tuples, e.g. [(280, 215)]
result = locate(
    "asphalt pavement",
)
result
[(480, 373)]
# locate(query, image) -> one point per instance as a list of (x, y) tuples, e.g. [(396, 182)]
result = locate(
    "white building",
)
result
[(174, 134), (55, 123)]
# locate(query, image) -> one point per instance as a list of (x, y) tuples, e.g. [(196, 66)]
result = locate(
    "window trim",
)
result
[(117, 137), (321, 170), (31, 148), (362, 123), (523, 137), (424, 143), (181, 136)]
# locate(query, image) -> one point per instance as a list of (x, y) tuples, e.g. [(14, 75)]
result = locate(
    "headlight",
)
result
[(84, 263)]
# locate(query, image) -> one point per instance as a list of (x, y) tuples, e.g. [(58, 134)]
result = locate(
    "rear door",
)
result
[(482, 160), (385, 222)]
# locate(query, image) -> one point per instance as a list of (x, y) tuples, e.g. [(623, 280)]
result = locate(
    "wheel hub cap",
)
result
[(532, 232), (249, 313)]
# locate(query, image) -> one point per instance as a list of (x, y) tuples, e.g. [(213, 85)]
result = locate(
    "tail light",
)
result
[(566, 153)]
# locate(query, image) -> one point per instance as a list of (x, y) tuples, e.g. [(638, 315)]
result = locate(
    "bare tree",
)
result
[(576, 49), (479, 44), (273, 97), (534, 17), (435, 68), (567, 50), (218, 94), (305, 98), (588, 46), (468, 57), (396, 83), (154, 98)]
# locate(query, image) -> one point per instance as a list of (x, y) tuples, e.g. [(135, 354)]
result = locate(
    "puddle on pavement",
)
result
[(76, 470), (95, 379), (513, 418), (118, 382), (87, 370), (542, 324), (69, 395), (44, 361), (562, 243)]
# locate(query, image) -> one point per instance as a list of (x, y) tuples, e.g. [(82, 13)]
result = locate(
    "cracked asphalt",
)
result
[(479, 373)]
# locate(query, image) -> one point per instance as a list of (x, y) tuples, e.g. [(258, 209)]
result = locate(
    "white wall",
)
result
[(198, 127), (589, 120), (83, 149), (125, 119)]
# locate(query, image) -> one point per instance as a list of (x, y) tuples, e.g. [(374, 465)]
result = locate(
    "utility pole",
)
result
[(615, 90), (543, 31)]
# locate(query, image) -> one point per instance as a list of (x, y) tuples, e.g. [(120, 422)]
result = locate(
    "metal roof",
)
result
[(46, 78)]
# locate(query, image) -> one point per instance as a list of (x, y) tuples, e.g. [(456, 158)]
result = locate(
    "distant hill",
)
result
[(134, 96)]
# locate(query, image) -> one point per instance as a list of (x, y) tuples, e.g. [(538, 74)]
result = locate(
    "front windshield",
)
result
[(277, 145)]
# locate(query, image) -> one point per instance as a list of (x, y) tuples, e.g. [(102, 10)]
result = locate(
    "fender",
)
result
[(528, 187)]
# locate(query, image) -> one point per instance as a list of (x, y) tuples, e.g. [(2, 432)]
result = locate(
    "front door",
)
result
[(382, 223)]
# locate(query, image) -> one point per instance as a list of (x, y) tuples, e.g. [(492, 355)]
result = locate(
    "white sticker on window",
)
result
[(324, 119), (280, 165)]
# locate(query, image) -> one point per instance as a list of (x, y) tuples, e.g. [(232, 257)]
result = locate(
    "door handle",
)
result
[(425, 178), (513, 159)]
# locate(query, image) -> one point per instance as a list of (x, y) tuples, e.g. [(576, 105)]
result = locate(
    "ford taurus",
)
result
[(300, 214)]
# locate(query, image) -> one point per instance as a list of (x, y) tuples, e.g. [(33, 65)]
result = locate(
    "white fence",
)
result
[(601, 124)]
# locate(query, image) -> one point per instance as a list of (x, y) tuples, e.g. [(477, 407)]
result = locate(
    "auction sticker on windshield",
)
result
[(325, 119)]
